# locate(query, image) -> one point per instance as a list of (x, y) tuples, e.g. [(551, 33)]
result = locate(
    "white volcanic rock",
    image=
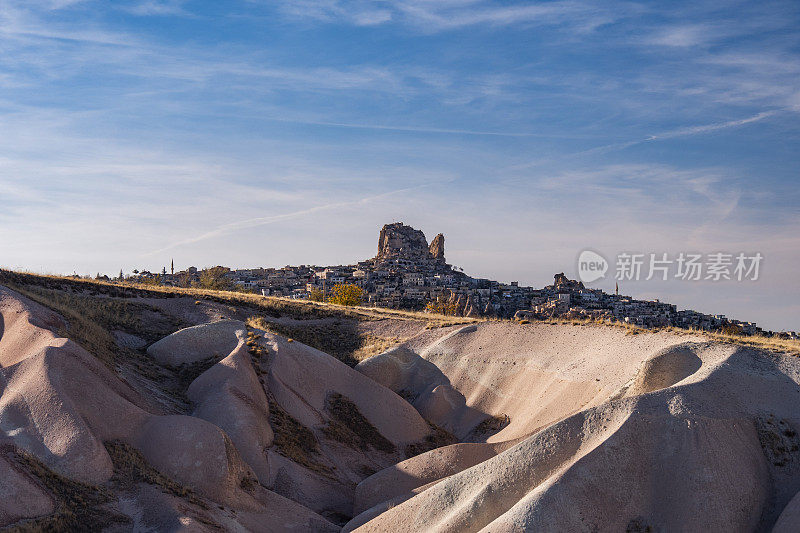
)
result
[(61, 404), (608, 432), (428, 389), (578, 427), (302, 377), (229, 395), (189, 345)]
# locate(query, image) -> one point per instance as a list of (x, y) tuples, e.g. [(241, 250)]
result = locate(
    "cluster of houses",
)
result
[(288, 281), (409, 274), (570, 299)]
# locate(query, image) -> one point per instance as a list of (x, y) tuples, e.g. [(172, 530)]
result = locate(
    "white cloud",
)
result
[(684, 36), (443, 15), (158, 8)]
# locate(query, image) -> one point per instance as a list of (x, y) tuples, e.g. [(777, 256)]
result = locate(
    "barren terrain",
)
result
[(128, 409)]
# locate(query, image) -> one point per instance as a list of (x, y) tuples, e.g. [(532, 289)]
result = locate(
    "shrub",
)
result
[(315, 295), (215, 278), (732, 329)]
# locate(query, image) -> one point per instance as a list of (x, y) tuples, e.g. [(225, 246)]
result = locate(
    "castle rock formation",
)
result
[(437, 247), (398, 241)]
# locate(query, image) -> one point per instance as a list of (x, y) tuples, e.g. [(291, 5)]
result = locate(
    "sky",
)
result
[(265, 133)]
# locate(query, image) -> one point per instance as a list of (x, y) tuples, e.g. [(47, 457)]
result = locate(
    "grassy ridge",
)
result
[(775, 344), (303, 309)]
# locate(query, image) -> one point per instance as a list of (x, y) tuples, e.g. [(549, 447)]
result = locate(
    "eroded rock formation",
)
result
[(437, 247), (399, 241)]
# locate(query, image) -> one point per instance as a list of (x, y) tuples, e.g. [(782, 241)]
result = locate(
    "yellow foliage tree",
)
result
[(440, 307), (347, 294)]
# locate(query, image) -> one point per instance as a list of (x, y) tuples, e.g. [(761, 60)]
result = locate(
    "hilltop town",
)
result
[(409, 273)]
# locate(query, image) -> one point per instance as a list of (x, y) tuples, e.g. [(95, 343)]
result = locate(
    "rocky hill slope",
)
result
[(155, 411)]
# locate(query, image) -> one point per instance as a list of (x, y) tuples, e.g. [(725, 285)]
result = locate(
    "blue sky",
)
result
[(283, 132)]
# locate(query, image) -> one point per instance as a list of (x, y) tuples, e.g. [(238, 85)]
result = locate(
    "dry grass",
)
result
[(778, 440), (258, 354), (186, 373), (92, 336), (491, 425), (79, 507), (774, 344), (295, 441), (340, 338), (438, 437), (111, 313), (131, 468), (373, 345), (91, 317), (348, 426)]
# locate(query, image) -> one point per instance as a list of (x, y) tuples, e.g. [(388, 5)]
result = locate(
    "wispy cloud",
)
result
[(707, 128), (446, 15), (671, 134), (20, 21), (250, 223), (413, 129), (684, 132), (158, 8)]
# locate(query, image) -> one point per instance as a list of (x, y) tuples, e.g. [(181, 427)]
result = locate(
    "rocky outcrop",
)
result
[(452, 303), (560, 281), (437, 247), (190, 345), (398, 241)]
